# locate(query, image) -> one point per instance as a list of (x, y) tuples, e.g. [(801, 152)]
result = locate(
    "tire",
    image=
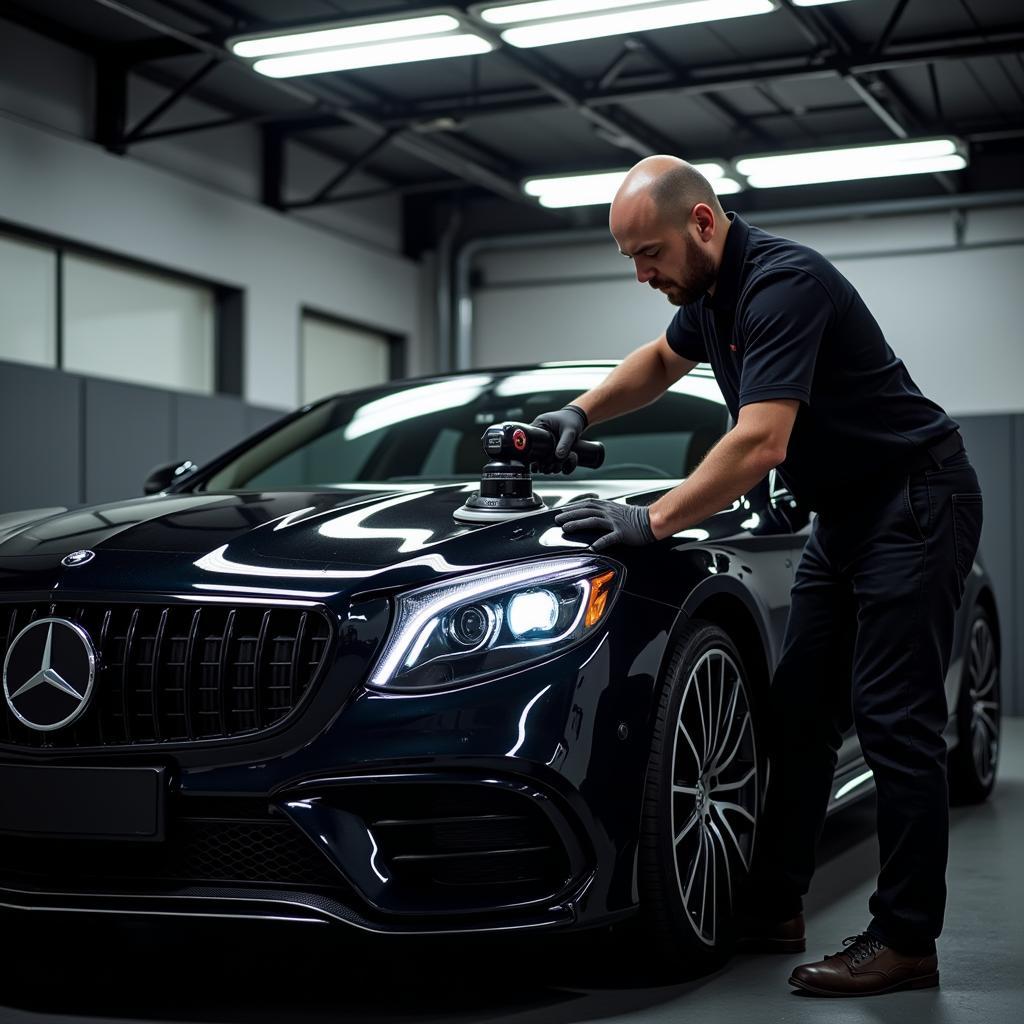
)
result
[(701, 803), (973, 762)]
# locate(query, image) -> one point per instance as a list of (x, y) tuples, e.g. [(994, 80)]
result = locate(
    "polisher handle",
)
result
[(589, 453)]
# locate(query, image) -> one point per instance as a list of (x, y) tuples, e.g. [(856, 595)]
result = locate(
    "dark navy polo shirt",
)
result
[(784, 323)]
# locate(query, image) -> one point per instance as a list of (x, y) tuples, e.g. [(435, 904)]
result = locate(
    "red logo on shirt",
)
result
[(732, 347)]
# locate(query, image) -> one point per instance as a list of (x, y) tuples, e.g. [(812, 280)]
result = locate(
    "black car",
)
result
[(291, 685)]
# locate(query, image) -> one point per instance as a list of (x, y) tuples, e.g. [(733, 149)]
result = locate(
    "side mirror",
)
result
[(778, 509), (161, 477)]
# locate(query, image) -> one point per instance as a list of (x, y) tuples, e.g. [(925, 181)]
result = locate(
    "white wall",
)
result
[(189, 205), (28, 302), (953, 314), (138, 327)]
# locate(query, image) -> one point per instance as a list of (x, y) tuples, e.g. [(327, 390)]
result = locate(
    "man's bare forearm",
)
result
[(637, 381), (738, 462)]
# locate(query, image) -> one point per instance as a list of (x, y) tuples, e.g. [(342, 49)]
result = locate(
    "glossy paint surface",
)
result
[(570, 733)]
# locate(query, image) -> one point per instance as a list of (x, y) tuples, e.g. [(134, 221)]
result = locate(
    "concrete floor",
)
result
[(261, 974)]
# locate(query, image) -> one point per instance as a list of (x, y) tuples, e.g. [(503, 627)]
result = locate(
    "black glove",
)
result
[(618, 524), (565, 426)]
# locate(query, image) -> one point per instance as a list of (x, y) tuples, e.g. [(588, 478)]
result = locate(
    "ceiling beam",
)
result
[(326, 192), (618, 127), (64, 34), (440, 156), (718, 106), (875, 89), (890, 26), (715, 78), (161, 108)]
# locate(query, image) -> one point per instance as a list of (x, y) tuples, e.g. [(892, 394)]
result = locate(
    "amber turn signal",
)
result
[(599, 587)]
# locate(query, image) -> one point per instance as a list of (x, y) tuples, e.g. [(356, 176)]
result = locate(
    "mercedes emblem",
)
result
[(48, 673), (78, 557)]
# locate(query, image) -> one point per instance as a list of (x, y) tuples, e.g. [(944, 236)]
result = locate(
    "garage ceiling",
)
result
[(462, 133)]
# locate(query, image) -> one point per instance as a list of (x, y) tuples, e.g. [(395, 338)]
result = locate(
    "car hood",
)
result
[(364, 537)]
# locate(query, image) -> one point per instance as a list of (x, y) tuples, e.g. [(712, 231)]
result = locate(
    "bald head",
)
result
[(672, 186), (668, 220)]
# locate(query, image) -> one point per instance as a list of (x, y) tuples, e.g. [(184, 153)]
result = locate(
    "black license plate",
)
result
[(80, 802)]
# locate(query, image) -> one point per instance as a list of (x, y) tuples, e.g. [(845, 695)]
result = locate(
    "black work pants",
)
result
[(869, 635)]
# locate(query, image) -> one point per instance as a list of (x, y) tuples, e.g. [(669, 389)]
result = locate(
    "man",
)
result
[(815, 390)]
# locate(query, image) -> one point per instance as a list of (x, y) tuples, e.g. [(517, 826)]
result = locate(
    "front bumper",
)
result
[(509, 804)]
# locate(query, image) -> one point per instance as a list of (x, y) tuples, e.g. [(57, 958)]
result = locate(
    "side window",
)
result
[(670, 437)]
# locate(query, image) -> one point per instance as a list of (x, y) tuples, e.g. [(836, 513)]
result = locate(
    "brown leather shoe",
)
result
[(756, 935), (866, 967)]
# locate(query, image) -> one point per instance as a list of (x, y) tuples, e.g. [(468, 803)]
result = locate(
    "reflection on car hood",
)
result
[(346, 535)]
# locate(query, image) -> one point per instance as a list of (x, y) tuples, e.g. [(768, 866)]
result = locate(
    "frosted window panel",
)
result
[(137, 326), (28, 303), (336, 357)]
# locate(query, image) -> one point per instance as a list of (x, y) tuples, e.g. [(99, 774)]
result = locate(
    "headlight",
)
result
[(447, 634)]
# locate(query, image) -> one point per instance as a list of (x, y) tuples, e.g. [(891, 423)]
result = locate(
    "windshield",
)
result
[(431, 431)]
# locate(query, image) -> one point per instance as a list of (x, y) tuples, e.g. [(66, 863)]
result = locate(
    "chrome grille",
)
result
[(180, 673)]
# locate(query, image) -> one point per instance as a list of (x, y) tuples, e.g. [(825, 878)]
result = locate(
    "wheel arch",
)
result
[(726, 610), (728, 604)]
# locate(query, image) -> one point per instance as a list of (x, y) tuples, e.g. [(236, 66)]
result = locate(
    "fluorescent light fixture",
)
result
[(726, 186), (920, 156), (600, 188), (547, 22), (816, 3), (342, 46), (347, 35)]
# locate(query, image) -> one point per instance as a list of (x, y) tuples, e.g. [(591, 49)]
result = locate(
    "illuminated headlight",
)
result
[(450, 633), (532, 611)]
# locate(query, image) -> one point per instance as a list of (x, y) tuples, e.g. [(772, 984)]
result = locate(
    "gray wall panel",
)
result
[(1014, 626), (40, 432), (67, 439), (128, 430), (990, 445), (206, 426)]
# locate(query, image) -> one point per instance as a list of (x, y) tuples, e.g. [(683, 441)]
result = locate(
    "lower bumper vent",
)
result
[(198, 851), (445, 837)]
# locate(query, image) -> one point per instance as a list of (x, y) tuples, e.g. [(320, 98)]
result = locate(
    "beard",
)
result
[(693, 280)]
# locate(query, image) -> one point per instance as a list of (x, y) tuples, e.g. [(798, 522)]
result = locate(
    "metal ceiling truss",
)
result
[(718, 106), (890, 26), (613, 124), (618, 127), (112, 102), (718, 78), (598, 102), (877, 91)]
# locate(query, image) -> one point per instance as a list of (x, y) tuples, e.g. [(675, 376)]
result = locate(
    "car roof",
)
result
[(581, 364)]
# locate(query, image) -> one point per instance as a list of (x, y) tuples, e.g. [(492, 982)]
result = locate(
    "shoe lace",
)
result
[(858, 948)]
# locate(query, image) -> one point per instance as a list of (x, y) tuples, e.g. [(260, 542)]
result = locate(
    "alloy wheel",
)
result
[(714, 791), (983, 692)]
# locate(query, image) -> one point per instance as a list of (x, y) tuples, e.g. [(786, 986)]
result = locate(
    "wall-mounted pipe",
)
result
[(443, 275), (583, 236)]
